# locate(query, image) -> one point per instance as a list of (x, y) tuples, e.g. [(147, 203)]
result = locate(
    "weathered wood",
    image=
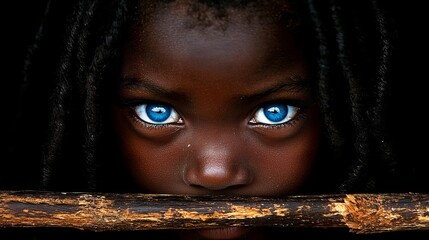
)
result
[(361, 213)]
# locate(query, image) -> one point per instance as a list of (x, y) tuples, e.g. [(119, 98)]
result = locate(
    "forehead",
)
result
[(218, 14), (188, 30)]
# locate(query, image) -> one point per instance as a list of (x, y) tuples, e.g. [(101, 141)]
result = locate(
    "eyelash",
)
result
[(145, 124), (133, 104), (132, 114), (298, 106), (301, 115)]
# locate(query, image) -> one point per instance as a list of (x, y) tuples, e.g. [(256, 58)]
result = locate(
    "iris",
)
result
[(158, 112), (275, 112)]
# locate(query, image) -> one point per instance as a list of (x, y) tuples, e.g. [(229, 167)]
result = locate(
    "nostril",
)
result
[(218, 188), (217, 177)]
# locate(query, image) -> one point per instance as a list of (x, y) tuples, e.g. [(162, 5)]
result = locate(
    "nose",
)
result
[(217, 166)]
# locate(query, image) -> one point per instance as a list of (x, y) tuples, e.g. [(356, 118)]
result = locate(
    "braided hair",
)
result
[(354, 65), (351, 43)]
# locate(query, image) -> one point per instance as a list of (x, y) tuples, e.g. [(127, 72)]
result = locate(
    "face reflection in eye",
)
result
[(274, 114), (157, 113)]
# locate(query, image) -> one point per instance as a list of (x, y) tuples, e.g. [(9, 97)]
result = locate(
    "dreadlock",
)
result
[(354, 52), (89, 45), (346, 49)]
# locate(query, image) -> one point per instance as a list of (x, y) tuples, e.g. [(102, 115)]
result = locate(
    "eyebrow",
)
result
[(132, 83), (293, 84)]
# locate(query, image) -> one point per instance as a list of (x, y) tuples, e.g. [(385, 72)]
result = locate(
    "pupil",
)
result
[(275, 112), (157, 112)]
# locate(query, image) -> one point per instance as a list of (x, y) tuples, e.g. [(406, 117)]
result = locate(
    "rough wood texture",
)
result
[(361, 213)]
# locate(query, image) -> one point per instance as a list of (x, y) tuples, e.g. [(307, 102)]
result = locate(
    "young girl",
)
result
[(243, 98)]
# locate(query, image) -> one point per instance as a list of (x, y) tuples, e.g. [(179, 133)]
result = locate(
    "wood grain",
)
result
[(361, 213)]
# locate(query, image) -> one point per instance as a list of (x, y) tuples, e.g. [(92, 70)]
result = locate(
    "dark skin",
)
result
[(205, 110)]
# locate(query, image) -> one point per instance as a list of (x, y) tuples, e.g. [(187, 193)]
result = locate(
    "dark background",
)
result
[(20, 20), (409, 104)]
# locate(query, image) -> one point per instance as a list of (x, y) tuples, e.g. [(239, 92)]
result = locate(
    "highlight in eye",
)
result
[(157, 113), (274, 114)]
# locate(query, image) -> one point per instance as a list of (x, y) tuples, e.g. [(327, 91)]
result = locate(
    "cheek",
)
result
[(285, 167), (152, 165), (153, 168)]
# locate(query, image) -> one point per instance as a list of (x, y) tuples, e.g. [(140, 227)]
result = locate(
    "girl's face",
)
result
[(216, 109)]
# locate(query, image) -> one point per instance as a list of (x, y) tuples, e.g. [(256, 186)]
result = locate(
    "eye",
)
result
[(274, 113), (157, 113)]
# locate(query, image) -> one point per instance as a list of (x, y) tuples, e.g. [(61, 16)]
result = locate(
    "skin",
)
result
[(216, 80)]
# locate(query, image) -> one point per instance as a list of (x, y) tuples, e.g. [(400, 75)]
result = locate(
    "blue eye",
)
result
[(157, 113), (274, 113)]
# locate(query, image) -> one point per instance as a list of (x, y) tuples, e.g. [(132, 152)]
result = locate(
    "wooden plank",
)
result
[(361, 213)]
